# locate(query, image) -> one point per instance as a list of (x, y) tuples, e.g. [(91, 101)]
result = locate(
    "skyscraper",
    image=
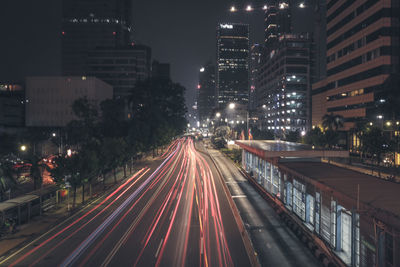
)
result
[(277, 22), (362, 62), (256, 53), (88, 24), (283, 85), (120, 67), (232, 64), (206, 92)]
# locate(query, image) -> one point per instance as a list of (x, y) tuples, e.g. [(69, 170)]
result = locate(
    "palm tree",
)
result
[(332, 121)]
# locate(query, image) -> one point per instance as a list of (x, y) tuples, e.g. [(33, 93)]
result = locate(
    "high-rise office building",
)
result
[(277, 22), (362, 57), (232, 64), (88, 24), (283, 85), (120, 67), (256, 53), (206, 92)]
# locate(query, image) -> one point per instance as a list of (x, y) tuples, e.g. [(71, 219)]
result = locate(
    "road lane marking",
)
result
[(239, 196), (159, 247), (201, 246)]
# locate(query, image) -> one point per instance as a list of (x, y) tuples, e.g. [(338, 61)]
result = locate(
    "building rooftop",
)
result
[(277, 148), (374, 192)]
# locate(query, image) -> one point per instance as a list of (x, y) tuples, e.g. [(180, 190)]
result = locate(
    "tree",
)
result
[(293, 136), (390, 104), (88, 165), (36, 170), (263, 135), (113, 154), (315, 137), (7, 178), (375, 143), (330, 138), (158, 112), (332, 121), (84, 129)]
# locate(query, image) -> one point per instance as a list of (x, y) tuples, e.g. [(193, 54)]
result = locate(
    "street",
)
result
[(172, 213), (274, 242)]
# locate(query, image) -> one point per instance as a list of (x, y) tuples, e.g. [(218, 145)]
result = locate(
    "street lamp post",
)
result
[(232, 107)]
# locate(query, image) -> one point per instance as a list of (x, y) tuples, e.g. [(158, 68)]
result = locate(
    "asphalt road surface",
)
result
[(274, 242), (173, 213)]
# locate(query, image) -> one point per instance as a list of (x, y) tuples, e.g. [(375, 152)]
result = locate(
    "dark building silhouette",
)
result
[(120, 67), (206, 92), (12, 107), (161, 70), (277, 22), (232, 64), (88, 24), (256, 53)]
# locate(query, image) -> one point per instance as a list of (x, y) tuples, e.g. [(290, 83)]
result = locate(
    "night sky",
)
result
[(179, 32)]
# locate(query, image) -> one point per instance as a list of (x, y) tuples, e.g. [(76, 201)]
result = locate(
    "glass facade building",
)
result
[(88, 24), (232, 64)]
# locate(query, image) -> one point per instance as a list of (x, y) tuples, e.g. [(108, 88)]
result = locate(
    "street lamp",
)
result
[(218, 115), (232, 106), (233, 9), (23, 148)]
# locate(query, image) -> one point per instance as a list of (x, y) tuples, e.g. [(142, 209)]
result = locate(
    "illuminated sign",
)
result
[(226, 26)]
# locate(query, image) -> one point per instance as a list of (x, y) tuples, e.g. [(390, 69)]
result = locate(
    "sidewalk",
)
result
[(40, 224)]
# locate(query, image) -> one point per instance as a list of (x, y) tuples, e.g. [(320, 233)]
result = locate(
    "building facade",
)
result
[(232, 64), (120, 67), (362, 57), (206, 93), (49, 99), (278, 21), (256, 53), (12, 106), (283, 85), (88, 24)]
